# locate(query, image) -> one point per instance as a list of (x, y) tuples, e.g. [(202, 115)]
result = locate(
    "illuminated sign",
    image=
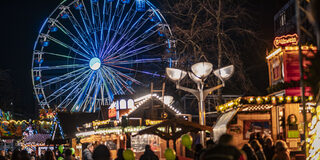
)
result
[(286, 40), (152, 122), (105, 122), (112, 112)]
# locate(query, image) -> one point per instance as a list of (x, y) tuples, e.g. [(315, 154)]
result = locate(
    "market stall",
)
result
[(125, 118), (279, 117)]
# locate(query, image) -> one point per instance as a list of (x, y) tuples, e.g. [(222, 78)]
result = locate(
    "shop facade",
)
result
[(278, 114)]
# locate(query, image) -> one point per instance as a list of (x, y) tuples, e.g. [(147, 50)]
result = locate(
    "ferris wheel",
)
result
[(87, 51)]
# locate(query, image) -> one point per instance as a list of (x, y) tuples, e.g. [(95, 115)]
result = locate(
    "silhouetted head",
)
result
[(209, 143), (256, 145), (281, 146), (225, 139), (147, 147), (16, 154), (49, 155), (101, 153), (24, 155), (68, 153), (268, 142)]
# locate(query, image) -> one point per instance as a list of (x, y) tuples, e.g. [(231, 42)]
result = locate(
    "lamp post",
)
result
[(200, 72)]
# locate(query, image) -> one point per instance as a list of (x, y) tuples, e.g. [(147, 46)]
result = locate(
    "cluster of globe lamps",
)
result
[(199, 74)]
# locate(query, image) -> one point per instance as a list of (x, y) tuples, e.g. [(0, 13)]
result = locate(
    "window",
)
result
[(123, 104), (282, 19)]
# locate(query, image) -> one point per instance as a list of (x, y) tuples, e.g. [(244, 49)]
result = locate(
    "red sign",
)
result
[(286, 40), (112, 113)]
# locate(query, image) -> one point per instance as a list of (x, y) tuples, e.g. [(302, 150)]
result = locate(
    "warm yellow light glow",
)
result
[(274, 53), (288, 98), (152, 122), (291, 39)]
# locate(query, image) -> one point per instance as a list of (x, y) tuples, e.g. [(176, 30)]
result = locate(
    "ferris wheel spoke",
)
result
[(96, 92), (137, 61), (135, 52), (67, 46), (64, 56), (126, 35), (92, 85), (116, 28), (95, 12), (119, 26), (125, 76), (65, 88), (62, 77), (87, 24), (130, 27), (111, 76), (139, 71), (104, 12), (74, 93), (131, 42), (107, 89), (110, 23), (84, 35), (84, 90), (73, 38), (122, 81), (71, 66)]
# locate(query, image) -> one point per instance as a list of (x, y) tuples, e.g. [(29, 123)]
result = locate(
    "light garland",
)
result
[(290, 48), (117, 130), (313, 140), (261, 100), (140, 101)]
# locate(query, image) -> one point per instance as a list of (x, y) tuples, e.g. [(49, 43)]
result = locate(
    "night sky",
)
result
[(21, 21)]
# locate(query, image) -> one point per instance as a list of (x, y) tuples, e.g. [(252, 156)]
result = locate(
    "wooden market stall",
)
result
[(125, 117), (279, 117)]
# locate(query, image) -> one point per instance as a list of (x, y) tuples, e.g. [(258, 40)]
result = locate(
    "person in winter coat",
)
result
[(251, 155), (258, 149), (282, 152), (149, 154), (87, 153), (268, 148)]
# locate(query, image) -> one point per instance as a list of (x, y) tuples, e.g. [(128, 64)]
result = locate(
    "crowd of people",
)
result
[(101, 152), (257, 148)]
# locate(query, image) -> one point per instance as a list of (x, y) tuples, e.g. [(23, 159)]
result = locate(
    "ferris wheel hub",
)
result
[(95, 63)]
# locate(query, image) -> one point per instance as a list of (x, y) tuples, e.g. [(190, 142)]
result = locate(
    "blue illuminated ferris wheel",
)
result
[(87, 51)]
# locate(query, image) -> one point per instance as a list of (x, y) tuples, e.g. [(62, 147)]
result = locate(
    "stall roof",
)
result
[(222, 122), (141, 103), (37, 138), (172, 125), (256, 108)]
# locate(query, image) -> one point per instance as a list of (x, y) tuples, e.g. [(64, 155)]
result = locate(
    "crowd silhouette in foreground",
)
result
[(257, 148)]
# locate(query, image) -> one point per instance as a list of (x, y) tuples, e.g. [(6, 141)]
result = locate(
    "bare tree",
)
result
[(212, 30)]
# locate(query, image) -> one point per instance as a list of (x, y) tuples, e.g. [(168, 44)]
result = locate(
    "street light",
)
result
[(200, 71)]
